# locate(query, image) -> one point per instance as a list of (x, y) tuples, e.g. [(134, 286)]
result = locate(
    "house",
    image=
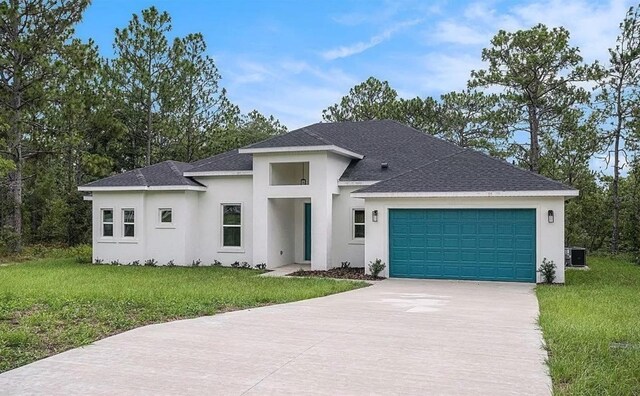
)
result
[(334, 192)]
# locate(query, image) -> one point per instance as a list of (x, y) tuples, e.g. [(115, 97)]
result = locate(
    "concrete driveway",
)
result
[(396, 337)]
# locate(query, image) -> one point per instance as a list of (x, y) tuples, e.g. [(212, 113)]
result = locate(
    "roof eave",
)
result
[(297, 149), (141, 188), (219, 173), (460, 194)]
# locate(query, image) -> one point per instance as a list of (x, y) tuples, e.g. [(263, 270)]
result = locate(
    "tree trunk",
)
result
[(148, 160), (615, 194), (615, 187), (18, 160), (534, 132)]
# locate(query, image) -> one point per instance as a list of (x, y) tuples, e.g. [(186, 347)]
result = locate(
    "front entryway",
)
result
[(472, 244), (307, 231)]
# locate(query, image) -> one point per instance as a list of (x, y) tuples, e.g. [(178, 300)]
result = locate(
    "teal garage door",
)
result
[(473, 244)]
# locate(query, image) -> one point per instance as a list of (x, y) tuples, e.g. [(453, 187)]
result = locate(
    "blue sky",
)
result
[(292, 59)]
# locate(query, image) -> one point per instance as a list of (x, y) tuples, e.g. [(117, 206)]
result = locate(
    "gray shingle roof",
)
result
[(402, 147), (228, 161), (466, 171), (167, 173), (417, 162)]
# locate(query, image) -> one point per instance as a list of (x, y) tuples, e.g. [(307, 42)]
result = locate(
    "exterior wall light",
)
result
[(374, 216), (550, 216)]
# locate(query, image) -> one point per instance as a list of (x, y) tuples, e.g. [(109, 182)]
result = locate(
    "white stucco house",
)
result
[(334, 192)]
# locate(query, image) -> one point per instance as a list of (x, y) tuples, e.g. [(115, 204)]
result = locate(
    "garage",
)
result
[(468, 244)]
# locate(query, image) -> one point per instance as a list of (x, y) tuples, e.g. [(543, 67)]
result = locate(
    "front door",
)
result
[(307, 231)]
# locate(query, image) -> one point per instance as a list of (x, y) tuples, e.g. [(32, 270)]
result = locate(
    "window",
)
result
[(166, 216), (107, 222), (231, 225), (128, 223), (358, 223)]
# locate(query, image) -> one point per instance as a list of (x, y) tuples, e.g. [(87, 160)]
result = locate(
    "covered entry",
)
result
[(472, 244)]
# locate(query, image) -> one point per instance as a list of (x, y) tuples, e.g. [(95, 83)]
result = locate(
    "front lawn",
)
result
[(592, 329), (51, 305)]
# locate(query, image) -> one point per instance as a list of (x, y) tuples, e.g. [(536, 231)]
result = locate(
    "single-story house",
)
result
[(334, 192)]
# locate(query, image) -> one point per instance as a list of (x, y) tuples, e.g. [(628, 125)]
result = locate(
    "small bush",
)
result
[(245, 265), (98, 261), (150, 263), (196, 263), (135, 263), (376, 267), (345, 264), (235, 264), (261, 266), (114, 262), (216, 263), (171, 263), (547, 270)]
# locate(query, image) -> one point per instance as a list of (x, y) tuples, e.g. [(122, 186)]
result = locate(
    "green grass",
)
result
[(586, 321), (51, 305)]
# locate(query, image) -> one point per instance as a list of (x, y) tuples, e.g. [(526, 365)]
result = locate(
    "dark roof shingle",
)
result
[(166, 173), (417, 162), (466, 171), (227, 161)]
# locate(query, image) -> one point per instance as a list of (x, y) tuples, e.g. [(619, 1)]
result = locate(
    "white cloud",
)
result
[(353, 49), (294, 91)]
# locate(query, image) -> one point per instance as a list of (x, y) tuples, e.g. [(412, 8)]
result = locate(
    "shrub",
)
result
[(345, 264), (235, 264), (82, 253), (114, 262), (216, 263), (376, 267), (150, 263), (245, 265), (196, 263), (99, 261), (135, 263), (547, 270), (261, 266), (171, 263)]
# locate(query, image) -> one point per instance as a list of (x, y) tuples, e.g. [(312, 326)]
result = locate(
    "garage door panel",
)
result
[(485, 244)]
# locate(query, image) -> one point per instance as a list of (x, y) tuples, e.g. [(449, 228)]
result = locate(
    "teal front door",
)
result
[(307, 231), (473, 244)]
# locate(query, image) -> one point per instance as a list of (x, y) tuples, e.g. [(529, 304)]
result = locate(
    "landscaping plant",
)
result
[(376, 267), (547, 270)]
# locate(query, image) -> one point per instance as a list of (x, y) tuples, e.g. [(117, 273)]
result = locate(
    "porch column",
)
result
[(260, 229), (321, 223)]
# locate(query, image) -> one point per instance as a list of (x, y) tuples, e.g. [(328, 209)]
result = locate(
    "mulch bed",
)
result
[(340, 273)]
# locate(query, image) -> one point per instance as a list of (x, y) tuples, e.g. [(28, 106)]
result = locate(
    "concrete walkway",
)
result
[(395, 337)]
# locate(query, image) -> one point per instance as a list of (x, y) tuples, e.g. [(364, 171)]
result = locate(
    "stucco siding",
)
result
[(223, 190), (118, 248), (549, 236), (166, 242), (345, 247)]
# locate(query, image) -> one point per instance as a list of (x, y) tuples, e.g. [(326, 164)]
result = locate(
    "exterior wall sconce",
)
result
[(374, 216), (550, 216)]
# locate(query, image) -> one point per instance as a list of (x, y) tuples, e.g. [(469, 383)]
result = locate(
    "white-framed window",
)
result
[(357, 220), (165, 216), (107, 222), (232, 225), (128, 223)]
